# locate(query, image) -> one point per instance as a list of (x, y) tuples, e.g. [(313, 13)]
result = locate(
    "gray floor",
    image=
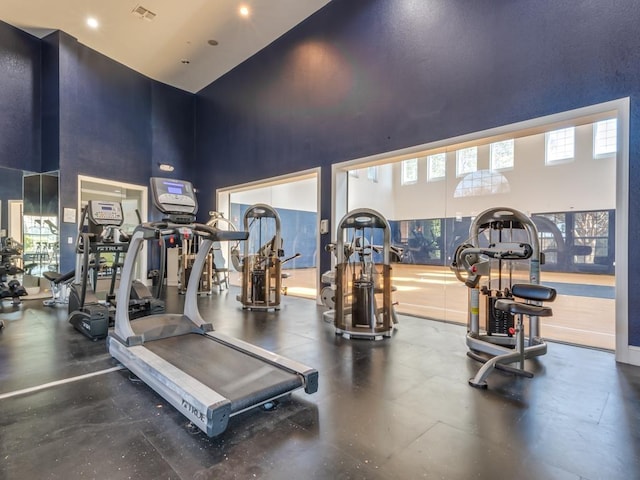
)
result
[(399, 408)]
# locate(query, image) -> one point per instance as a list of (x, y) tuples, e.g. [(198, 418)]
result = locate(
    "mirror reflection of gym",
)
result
[(262, 260)]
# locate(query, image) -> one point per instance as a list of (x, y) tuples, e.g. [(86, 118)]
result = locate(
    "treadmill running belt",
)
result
[(243, 379)]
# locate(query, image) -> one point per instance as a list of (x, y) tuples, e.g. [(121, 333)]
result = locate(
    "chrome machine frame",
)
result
[(261, 265), (501, 341), (363, 307)]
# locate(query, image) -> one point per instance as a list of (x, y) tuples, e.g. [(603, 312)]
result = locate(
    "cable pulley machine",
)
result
[(262, 260), (500, 265), (362, 279)]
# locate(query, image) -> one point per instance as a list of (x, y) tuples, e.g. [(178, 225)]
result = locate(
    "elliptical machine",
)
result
[(88, 314), (361, 285), (261, 262), (500, 265)]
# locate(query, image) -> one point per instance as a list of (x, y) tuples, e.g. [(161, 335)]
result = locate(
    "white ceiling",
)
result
[(181, 30)]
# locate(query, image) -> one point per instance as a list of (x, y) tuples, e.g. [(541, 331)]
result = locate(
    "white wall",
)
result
[(296, 195), (363, 193), (582, 184)]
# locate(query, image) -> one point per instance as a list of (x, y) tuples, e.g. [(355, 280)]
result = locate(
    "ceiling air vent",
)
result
[(141, 12)]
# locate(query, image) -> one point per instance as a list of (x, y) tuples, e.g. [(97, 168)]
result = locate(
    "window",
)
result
[(605, 138), (482, 182), (551, 231), (591, 231), (409, 171), (353, 173), (372, 174), (436, 166), (502, 155), (466, 161), (560, 145)]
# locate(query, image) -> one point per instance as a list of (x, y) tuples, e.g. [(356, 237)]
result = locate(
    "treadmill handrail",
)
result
[(160, 229), (153, 230)]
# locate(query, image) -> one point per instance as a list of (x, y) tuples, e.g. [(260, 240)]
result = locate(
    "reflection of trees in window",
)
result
[(436, 166), (591, 229), (605, 137), (409, 171), (466, 160), (577, 241), (502, 155)]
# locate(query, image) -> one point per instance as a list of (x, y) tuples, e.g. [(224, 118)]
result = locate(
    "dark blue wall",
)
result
[(51, 102), (115, 124), (173, 132), (365, 77), (19, 99), (66, 107)]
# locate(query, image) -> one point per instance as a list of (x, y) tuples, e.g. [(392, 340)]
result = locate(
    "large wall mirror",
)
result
[(29, 204), (40, 236)]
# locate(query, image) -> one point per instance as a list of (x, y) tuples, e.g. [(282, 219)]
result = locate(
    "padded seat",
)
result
[(528, 291), (57, 277), (519, 308)]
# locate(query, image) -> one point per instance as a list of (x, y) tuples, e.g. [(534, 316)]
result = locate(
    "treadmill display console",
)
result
[(105, 213), (173, 196)]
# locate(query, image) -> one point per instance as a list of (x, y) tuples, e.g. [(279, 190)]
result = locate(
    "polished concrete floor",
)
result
[(395, 409)]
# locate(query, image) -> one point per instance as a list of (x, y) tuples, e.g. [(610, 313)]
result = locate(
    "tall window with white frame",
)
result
[(560, 145), (372, 174), (409, 171), (466, 161), (502, 155), (436, 167), (605, 138)]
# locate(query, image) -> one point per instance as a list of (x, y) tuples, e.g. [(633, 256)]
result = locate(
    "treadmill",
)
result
[(207, 376)]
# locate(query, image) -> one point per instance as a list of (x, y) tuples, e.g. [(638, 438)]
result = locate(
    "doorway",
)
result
[(296, 199), (134, 207), (565, 171)]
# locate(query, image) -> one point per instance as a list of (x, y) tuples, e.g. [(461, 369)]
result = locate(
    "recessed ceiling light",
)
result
[(244, 11), (92, 22)]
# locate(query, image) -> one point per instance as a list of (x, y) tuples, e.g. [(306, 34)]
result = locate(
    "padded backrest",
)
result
[(530, 291)]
